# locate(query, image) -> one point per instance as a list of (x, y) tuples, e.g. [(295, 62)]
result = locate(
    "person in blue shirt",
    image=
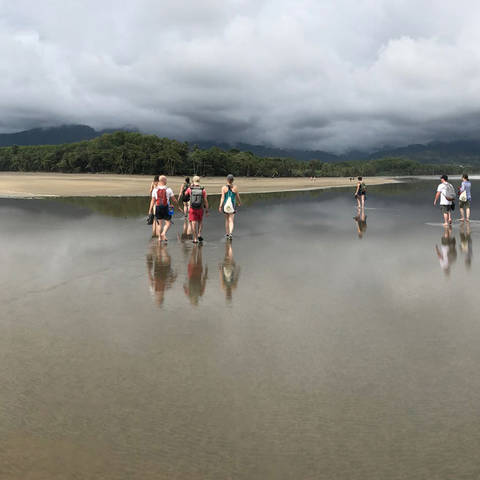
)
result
[(465, 199)]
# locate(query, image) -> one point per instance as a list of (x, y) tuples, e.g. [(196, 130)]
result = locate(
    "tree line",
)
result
[(135, 153)]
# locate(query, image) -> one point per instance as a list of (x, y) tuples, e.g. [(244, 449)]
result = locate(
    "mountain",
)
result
[(53, 135), (270, 152), (458, 151)]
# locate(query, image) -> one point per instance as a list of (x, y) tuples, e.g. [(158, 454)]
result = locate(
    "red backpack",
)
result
[(162, 197)]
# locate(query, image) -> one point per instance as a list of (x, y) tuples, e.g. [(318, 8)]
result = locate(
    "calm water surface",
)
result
[(315, 346)]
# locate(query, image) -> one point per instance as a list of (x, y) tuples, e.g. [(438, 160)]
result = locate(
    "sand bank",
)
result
[(26, 185)]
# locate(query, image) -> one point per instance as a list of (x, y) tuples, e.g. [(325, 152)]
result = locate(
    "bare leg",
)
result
[(462, 214), (231, 217), (445, 219), (227, 231), (200, 227), (359, 205), (158, 228), (195, 230), (468, 213), (363, 201), (166, 226)]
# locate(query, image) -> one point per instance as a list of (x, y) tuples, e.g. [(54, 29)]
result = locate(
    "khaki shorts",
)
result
[(445, 208), (464, 204)]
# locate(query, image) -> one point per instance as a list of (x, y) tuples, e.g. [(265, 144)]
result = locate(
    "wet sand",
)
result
[(26, 185)]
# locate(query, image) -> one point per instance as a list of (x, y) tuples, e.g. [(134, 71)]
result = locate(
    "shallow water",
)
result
[(311, 347)]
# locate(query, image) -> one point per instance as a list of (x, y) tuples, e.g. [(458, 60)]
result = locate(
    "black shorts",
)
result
[(161, 212)]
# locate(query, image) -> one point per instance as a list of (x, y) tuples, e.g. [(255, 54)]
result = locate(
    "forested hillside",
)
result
[(134, 153)]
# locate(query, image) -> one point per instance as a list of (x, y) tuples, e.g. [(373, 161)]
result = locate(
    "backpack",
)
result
[(450, 194), (363, 189), (185, 196), (162, 199), (228, 205), (196, 196)]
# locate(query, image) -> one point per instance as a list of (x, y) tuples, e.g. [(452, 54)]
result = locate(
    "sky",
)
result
[(333, 75)]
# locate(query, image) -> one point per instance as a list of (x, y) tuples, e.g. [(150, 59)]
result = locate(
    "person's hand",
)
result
[(219, 209), (206, 212)]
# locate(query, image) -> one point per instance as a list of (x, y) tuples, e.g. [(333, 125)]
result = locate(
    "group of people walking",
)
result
[(447, 195), (193, 203)]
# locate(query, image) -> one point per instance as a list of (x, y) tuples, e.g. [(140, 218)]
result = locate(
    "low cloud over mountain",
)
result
[(331, 75)]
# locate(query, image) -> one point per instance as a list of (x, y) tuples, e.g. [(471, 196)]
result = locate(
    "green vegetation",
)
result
[(135, 153)]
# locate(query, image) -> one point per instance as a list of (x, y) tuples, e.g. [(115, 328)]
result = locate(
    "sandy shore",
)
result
[(26, 185)]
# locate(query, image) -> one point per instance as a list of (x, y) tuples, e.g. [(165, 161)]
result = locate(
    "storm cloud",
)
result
[(332, 74)]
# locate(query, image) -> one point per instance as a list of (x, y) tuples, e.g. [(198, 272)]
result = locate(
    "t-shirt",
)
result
[(169, 192), (442, 188), (466, 187)]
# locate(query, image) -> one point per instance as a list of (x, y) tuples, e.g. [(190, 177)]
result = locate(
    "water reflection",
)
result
[(186, 231), (197, 275), (361, 222), (229, 272), (447, 252), (466, 244), (160, 272)]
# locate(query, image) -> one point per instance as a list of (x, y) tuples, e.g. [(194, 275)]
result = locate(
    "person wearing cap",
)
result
[(229, 200), (198, 204), (446, 193)]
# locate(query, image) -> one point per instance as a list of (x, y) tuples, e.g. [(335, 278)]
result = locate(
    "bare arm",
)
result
[(437, 195), (206, 201), (222, 198), (239, 201), (150, 209)]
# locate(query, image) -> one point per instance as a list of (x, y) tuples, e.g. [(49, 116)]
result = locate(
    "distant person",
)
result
[(229, 273), (197, 275), (151, 209), (160, 273), (446, 193), (229, 201), (183, 198), (465, 198), (360, 193), (198, 204), (361, 221), (447, 252), (163, 197)]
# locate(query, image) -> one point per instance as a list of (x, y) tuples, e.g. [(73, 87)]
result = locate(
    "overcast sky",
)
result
[(327, 74)]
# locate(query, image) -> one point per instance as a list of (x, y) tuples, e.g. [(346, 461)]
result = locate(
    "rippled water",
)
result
[(316, 345)]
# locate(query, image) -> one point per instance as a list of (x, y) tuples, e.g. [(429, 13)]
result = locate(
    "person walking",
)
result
[(229, 200), (183, 197), (465, 198), (198, 204), (360, 193), (163, 197), (151, 209), (446, 194)]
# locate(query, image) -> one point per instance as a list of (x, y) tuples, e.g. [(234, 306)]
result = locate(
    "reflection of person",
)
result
[(229, 201), (361, 193), (465, 198), (466, 244), (447, 252), (160, 273), (197, 276), (229, 272), (361, 220), (186, 231), (446, 193)]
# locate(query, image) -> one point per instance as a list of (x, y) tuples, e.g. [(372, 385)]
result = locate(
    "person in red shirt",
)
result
[(198, 204)]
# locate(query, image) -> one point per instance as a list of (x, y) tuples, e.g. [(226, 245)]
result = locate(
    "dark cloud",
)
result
[(331, 75)]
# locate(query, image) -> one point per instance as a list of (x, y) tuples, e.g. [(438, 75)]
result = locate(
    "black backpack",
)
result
[(185, 197), (196, 196)]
